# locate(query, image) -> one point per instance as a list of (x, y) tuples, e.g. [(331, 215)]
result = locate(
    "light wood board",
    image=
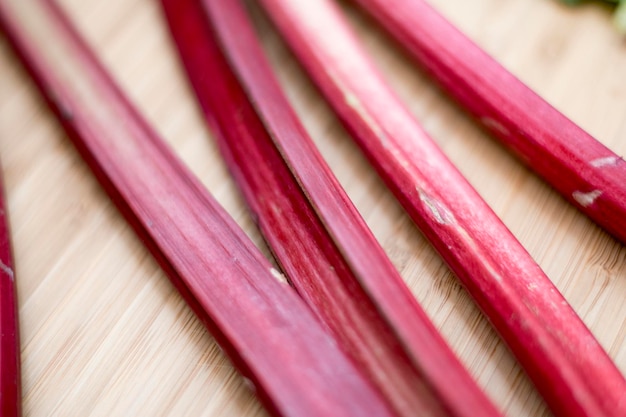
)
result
[(105, 334)]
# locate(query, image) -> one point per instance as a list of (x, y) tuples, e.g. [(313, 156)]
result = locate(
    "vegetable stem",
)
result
[(261, 323), (10, 375), (587, 173), (316, 234), (566, 363)]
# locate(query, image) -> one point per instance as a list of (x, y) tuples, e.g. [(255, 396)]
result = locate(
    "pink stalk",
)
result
[(320, 240), (568, 366), (267, 331), (583, 170), (10, 397)]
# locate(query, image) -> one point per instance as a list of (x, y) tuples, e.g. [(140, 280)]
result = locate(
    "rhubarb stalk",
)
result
[(315, 232), (568, 366), (583, 170), (261, 323), (10, 399)]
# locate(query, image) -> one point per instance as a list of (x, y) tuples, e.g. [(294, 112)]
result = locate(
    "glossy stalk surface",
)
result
[(316, 234), (261, 324), (566, 363)]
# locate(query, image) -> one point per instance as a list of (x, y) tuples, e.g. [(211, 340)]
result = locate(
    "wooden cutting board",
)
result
[(105, 334)]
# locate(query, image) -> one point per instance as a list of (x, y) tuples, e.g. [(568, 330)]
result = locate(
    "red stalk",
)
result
[(263, 326), (317, 235), (10, 399), (568, 366), (583, 170)]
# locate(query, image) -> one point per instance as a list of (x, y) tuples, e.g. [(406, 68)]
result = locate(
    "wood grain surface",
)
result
[(105, 334)]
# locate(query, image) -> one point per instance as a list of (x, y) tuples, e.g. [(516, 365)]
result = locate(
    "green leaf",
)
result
[(620, 17)]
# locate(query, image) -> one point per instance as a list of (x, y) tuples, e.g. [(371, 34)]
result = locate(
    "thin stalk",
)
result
[(318, 237), (268, 332), (587, 173), (10, 375), (561, 356)]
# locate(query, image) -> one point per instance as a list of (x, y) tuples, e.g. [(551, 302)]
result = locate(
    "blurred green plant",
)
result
[(619, 17)]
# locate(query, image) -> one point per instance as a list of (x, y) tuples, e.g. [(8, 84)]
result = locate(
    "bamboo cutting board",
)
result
[(105, 334)]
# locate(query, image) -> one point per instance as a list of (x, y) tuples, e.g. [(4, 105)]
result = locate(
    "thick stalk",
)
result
[(321, 242), (566, 363), (267, 331), (587, 173)]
